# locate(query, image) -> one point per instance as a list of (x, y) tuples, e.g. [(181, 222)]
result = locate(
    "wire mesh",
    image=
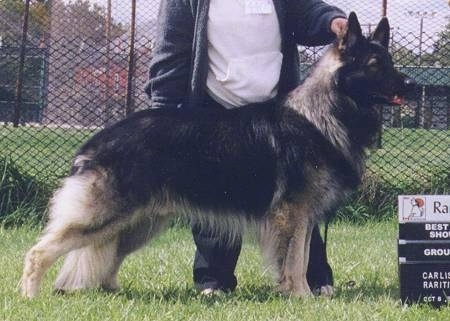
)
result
[(86, 64)]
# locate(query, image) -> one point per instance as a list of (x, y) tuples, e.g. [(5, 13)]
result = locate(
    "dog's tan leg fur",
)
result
[(286, 239), (295, 264), (40, 257)]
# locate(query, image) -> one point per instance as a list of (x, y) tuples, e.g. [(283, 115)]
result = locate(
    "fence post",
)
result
[(107, 97), (384, 9), (45, 66), (379, 136), (131, 61), (427, 109), (19, 84), (448, 102), (396, 110)]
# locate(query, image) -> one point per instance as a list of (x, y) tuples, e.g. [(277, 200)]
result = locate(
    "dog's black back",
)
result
[(215, 160)]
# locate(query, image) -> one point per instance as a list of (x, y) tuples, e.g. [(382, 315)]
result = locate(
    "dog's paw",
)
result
[(28, 288), (110, 284), (296, 291), (283, 288)]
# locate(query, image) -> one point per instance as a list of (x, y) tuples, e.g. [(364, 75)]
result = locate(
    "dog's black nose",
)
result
[(409, 83)]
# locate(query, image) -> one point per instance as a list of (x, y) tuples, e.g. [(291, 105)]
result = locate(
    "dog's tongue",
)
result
[(397, 100)]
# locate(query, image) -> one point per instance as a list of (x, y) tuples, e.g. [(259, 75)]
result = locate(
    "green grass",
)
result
[(44, 153), (156, 284)]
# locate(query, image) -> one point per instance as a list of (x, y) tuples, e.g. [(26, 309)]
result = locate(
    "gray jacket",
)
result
[(180, 57)]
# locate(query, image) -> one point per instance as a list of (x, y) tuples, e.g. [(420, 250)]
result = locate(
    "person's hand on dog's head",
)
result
[(338, 26)]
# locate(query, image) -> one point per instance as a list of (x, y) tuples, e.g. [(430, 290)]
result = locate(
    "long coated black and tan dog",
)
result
[(280, 164)]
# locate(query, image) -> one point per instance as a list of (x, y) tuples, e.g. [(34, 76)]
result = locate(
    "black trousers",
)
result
[(215, 263)]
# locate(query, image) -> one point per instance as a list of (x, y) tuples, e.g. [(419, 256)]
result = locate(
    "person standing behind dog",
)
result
[(226, 54)]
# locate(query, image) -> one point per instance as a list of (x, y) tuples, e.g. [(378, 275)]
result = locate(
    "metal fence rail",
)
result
[(70, 67)]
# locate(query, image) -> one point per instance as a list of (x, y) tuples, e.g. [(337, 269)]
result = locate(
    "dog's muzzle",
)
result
[(408, 85)]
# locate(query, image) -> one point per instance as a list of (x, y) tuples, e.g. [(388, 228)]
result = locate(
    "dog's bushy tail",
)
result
[(92, 266)]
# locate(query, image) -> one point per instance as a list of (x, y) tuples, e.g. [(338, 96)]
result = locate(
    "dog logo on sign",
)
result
[(416, 206)]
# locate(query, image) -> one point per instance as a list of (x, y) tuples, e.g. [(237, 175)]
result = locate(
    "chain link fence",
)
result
[(71, 67)]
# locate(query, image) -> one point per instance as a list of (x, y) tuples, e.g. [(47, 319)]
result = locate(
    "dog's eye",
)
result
[(372, 61)]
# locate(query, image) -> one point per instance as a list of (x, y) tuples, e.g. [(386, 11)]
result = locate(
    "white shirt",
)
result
[(244, 51)]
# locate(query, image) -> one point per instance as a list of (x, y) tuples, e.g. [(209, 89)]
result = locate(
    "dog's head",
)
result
[(368, 73)]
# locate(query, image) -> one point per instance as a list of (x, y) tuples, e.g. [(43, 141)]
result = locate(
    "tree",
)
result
[(11, 14), (90, 22), (83, 20), (441, 49), (403, 56)]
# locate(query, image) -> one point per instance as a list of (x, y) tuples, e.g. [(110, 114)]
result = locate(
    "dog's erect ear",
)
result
[(381, 33), (353, 36)]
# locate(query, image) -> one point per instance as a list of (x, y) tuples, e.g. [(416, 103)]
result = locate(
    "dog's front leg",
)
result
[(295, 263), (305, 255)]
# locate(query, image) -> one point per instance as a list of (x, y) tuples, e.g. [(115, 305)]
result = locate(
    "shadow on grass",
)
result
[(188, 295), (364, 292), (170, 294), (255, 293)]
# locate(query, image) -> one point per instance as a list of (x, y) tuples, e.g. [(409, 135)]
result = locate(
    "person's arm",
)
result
[(310, 21), (171, 56)]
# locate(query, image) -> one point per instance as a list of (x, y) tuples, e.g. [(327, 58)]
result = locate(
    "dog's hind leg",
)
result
[(41, 256), (81, 216), (97, 265), (130, 240)]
